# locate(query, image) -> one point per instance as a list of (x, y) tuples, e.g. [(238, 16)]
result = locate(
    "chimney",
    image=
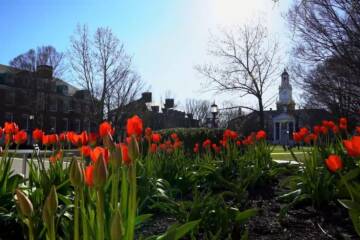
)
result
[(155, 108), (146, 97), (169, 103), (44, 71)]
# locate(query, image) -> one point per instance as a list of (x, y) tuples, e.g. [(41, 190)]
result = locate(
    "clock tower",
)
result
[(285, 101)]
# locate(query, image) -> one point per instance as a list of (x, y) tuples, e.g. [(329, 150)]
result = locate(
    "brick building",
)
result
[(152, 115), (38, 100)]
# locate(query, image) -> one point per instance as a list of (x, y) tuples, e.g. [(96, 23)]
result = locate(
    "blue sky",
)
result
[(166, 38)]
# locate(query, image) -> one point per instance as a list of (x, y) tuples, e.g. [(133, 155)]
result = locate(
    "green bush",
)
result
[(191, 136)]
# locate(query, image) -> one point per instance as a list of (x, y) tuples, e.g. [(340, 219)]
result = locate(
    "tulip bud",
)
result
[(100, 173), (116, 158), (46, 216), (76, 173), (51, 202), (116, 226), (134, 151), (108, 142), (25, 204)]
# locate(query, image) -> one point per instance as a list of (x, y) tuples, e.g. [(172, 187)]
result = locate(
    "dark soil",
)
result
[(158, 224), (301, 222), (10, 230)]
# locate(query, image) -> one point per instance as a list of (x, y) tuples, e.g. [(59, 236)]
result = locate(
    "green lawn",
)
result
[(278, 153), (288, 156)]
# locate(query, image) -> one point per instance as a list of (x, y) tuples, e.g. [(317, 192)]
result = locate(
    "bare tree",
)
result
[(103, 68), (228, 112), (247, 63), (44, 55), (326, 28), (326, 52), (198, 108), (327, 86)]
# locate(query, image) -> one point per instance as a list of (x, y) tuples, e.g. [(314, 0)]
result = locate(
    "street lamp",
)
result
[(30, 126), (214, 110)]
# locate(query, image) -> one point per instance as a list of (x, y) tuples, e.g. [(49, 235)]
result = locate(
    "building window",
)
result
[(66, 106), (77, 125), (65, 124), (53, 124), (8, 117), (87, 125), (53, 105), (87, 109), (10, 98), (78, 108), (40, 101), (25, 122)]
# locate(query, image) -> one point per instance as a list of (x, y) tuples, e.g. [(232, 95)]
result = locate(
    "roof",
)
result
[(8, 69)]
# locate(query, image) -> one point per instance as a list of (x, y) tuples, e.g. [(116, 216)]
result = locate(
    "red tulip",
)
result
[(334, 163), (37, 135), (324, 130), (105, 128), (11, 128), (196, 148), (84, 138), (174, 136), (98, 152), (317, 129), (153, 148), (216, 148), (177, 144), (89, 175), (63, 137), (249, 139), (56, 157), (328, 124), (343, 123), (303, 131), (229, 134), (206, 143), (134, 126), (85, 150), (9, 138), (93, 137), (335, 129), (310, 137), (50, 139), (20, 137), (353, 146), (148, 132), (125, 154), (297, 137), (156, 137), (358, 130), (260, 135)]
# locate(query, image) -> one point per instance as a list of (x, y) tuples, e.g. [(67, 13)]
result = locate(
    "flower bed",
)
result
[(152, 187)]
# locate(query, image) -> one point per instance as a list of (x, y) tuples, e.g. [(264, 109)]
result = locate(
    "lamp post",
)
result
[(214, 110), (30, 126)]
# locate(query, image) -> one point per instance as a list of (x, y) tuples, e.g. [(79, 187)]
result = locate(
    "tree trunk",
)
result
[(261, 114)]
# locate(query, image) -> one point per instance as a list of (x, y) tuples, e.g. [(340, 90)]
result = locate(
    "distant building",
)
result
[(39, 100), (152, 115), (282, 122)]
